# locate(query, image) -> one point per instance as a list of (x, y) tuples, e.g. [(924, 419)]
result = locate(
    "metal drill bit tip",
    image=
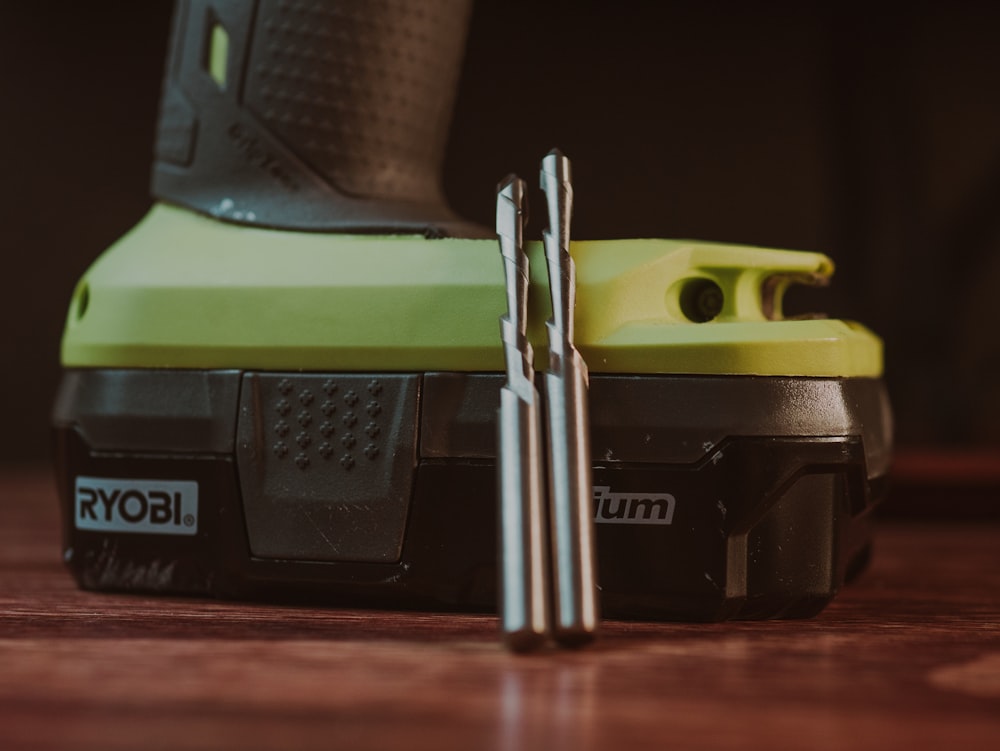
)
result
[(557, 163), (511, 185), (555, 179), (511, 212), (510, 191), (556, 175)]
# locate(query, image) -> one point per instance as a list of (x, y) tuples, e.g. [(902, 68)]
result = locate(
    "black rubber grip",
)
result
[(312, 114)]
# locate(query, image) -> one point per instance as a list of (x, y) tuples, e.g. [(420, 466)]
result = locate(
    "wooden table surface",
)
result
[(908, 657)]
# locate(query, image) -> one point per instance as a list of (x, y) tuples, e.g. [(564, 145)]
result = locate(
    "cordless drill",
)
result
[(284, 381)]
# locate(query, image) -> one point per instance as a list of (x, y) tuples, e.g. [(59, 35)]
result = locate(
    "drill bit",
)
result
[(524, 569), (571, 518)]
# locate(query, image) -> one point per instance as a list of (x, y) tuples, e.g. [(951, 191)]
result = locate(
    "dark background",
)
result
[(867, 134)]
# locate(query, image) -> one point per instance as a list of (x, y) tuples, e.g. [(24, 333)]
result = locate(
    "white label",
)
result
[(157, 507), (632, 508)]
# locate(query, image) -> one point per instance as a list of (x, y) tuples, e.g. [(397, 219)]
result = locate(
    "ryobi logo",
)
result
[(160, 507), (632, 508)]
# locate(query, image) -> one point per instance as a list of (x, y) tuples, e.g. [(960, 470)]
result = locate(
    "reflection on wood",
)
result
[(908, 657)]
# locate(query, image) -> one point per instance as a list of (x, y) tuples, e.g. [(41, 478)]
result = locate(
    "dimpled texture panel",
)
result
[(326, 464), (360, 90), (319, 422)]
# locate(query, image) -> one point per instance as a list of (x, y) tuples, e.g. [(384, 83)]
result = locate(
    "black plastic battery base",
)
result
[(742, 526)]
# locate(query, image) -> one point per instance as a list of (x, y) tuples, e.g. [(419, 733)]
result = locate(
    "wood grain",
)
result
[(908, 657)]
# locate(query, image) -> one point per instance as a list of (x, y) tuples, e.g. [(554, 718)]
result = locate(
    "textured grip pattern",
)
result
[(359, 91), (312, 114)]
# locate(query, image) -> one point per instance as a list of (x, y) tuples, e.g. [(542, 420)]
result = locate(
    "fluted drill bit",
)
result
[(576, 612), (524, 568)]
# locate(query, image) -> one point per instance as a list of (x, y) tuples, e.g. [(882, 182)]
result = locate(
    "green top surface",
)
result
[(186, 291)]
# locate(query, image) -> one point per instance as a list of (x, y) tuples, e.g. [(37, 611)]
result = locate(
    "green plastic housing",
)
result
[(186, 291)]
